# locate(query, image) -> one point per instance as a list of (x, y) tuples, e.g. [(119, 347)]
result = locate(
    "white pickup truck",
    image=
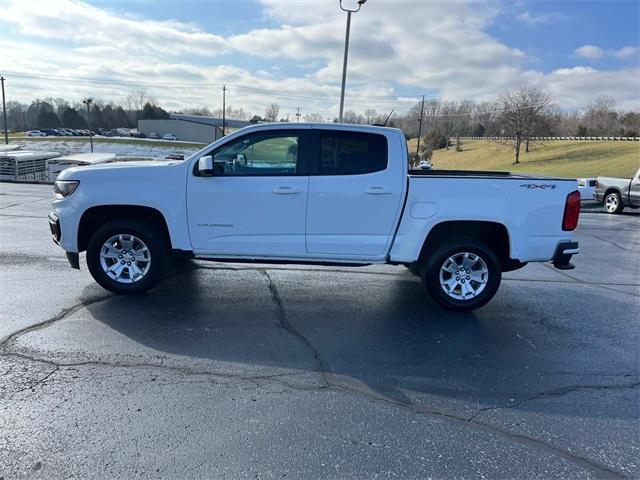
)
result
[(317, 194)]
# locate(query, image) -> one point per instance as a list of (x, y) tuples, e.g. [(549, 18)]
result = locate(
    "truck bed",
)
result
[(481, 174)]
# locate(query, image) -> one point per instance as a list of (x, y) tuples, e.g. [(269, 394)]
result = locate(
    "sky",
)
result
[(290, 52)]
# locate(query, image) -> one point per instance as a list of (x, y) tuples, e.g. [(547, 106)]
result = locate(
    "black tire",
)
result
[(143, 230), (413, 268), (612, 203), (448, 248)]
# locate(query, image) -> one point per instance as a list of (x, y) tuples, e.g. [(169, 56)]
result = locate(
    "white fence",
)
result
[(585, 139)]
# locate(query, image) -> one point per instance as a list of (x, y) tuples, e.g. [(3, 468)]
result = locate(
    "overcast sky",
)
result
[(290, 51)]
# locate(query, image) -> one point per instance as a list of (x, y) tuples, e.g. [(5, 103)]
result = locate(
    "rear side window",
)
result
[(352, 153)]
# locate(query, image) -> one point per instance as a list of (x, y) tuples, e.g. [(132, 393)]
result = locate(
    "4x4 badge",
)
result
[(542, 186)]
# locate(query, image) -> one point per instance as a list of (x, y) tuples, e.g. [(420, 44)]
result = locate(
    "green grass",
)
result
[(107, 140), (573, 159)]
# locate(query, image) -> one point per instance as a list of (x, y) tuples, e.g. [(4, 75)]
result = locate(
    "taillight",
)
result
[(571, 211)]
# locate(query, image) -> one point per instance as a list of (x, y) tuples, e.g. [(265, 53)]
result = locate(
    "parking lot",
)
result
[(237, 371)]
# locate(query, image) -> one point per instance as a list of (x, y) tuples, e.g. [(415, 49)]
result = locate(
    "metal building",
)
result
[(189, 128)]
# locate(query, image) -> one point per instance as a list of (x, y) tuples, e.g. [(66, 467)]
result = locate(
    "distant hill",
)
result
[(574, 159)]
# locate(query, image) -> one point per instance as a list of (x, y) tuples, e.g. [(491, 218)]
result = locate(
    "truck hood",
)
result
[(112, 168)]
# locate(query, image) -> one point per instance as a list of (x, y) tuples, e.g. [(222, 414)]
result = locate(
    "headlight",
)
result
[(64, 188)]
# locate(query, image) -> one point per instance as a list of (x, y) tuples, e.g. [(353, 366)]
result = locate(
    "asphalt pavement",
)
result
[(263, 371)]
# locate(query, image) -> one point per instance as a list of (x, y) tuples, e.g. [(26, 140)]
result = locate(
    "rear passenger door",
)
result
[(353, 196)]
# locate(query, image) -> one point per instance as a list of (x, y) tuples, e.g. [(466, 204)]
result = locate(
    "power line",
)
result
[(121, 82)]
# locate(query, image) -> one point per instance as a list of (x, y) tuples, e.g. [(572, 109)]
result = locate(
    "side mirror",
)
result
[(205, 166)]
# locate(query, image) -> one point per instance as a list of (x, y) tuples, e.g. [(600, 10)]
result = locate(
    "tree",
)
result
[(523, 111), (153, 112), (630, 124), (370, 115), (352, 117), (601, 117), (72, 119), (232, 113), (199, 112), (314, 118), (478, 130), (47, 119), (16, 116), (271, 113)]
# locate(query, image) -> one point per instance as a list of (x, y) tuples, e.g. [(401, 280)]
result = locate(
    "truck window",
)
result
[(272, 153), (352, 153)]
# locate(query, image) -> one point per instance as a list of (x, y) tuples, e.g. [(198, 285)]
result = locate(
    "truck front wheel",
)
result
[(462, 274), (127, 255)]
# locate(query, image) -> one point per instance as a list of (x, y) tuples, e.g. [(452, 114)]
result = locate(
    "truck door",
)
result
[(255, 203), (354, 196)]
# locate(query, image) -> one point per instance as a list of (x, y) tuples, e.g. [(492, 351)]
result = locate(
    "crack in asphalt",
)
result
[(331, 381), (607, 241), (556, 392), (288, 327)]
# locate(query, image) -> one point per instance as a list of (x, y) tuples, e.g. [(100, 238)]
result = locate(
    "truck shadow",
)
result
[(380, 331)]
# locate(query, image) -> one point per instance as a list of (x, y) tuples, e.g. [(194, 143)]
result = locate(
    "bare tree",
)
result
[(370, 115), (198, 112), (601, 116), (523, 111), (314, 118), (352, 117), (271, 113)]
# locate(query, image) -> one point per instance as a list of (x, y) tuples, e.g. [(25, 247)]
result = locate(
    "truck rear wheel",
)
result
[(462, 274), (613, 203), (127, 255)]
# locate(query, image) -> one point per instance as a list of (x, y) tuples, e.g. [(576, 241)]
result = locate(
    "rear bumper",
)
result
[(562, 256)]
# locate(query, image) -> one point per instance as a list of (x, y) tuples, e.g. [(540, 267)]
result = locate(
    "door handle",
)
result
[(286, 191), (378, 191)]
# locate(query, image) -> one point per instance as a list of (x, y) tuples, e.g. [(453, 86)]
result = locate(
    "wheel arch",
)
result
[(611, 190), (94, 217), (494, 234)]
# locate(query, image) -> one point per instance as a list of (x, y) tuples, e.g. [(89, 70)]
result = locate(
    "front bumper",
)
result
[(56, 234), (54, 226), (562, 256)]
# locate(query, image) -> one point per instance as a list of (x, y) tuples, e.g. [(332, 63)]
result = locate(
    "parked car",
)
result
[(425, 165), (154, 135), (50, 132), (36, 133), (586, 187), (138, 135), (169, 136), (617, 193), (349, 200)]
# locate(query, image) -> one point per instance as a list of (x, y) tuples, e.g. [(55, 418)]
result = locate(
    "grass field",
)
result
[(573, 159)]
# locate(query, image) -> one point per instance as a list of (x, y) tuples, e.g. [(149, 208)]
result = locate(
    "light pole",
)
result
[(420, 127), (224, 109), (87, 102), (346, 52), (4, 114)]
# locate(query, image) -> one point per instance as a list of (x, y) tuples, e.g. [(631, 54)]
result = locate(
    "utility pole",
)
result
[(297, 114), (4, 114), (420, 126), (87, 102), (224, 109), (346, 52)]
